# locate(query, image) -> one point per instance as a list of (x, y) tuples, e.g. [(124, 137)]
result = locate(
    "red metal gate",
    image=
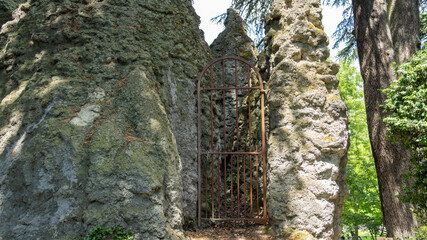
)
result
[(231, 142)]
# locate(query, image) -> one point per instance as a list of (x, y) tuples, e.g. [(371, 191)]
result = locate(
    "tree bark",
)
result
[(356, 233), (380, 41), (403, 16)]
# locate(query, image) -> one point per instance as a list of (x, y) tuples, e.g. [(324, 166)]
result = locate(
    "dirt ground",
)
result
[(234, 231)]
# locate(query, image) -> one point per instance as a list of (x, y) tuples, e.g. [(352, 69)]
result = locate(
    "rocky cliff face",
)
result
[(97, 117), (308, 136), (234, 40)]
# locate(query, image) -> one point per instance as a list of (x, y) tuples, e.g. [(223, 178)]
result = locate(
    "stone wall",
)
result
[(234, 40), (308, 136), (97, 117)]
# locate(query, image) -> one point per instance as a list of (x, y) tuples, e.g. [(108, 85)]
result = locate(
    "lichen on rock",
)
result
[(9, 9), (93, 95), (306, 118), (308, 135)]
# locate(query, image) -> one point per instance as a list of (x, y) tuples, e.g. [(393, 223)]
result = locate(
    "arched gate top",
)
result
[(222, 59)]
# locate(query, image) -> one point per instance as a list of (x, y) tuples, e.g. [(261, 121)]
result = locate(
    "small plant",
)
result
[(421, 232), (232, 178), (113, 233), (266, 229)]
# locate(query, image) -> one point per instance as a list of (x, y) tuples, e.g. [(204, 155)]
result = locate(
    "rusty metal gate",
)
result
[(231, 142)]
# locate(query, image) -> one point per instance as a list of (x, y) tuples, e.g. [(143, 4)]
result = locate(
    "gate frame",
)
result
[(264, 219)]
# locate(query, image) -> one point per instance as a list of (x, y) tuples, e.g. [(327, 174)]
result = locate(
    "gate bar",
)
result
[(255, 220), (212, 157), (230, 153), (225, 138), (250, 153), (250, 142), (237, 140), (227, 88)]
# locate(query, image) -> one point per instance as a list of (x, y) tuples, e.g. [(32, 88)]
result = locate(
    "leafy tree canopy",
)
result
[(255, 11), (407, 105), (362, 206)]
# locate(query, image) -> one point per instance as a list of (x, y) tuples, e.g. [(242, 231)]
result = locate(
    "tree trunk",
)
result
[(380, 41), (404, 26), (356, 233)]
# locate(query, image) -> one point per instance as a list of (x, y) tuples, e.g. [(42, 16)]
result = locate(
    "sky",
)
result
[(208, 9)]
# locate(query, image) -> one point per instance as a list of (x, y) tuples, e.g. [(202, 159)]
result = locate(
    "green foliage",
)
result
[(344, 32), (423, 27), (232, 180), (421, 232), (407, 105), (255, 11), (362, 207), (113, 233)]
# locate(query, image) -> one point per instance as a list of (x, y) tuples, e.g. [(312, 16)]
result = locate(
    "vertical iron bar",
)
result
[(237, 140), (212, 156), (199, 170), (244, 177), (251, 186), (251, 189), (250, 136), (225, 185), (219, 186), (225, 138), (264, 173), (256, 180), (206, 187), (231, 184)]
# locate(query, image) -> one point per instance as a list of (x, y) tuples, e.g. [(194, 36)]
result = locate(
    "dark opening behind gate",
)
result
[(231, 142)]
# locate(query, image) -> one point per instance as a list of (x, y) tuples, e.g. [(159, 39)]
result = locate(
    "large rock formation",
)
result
[(308, 136), (234, 40), (98, 117), (97, 111), (307, 121)]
